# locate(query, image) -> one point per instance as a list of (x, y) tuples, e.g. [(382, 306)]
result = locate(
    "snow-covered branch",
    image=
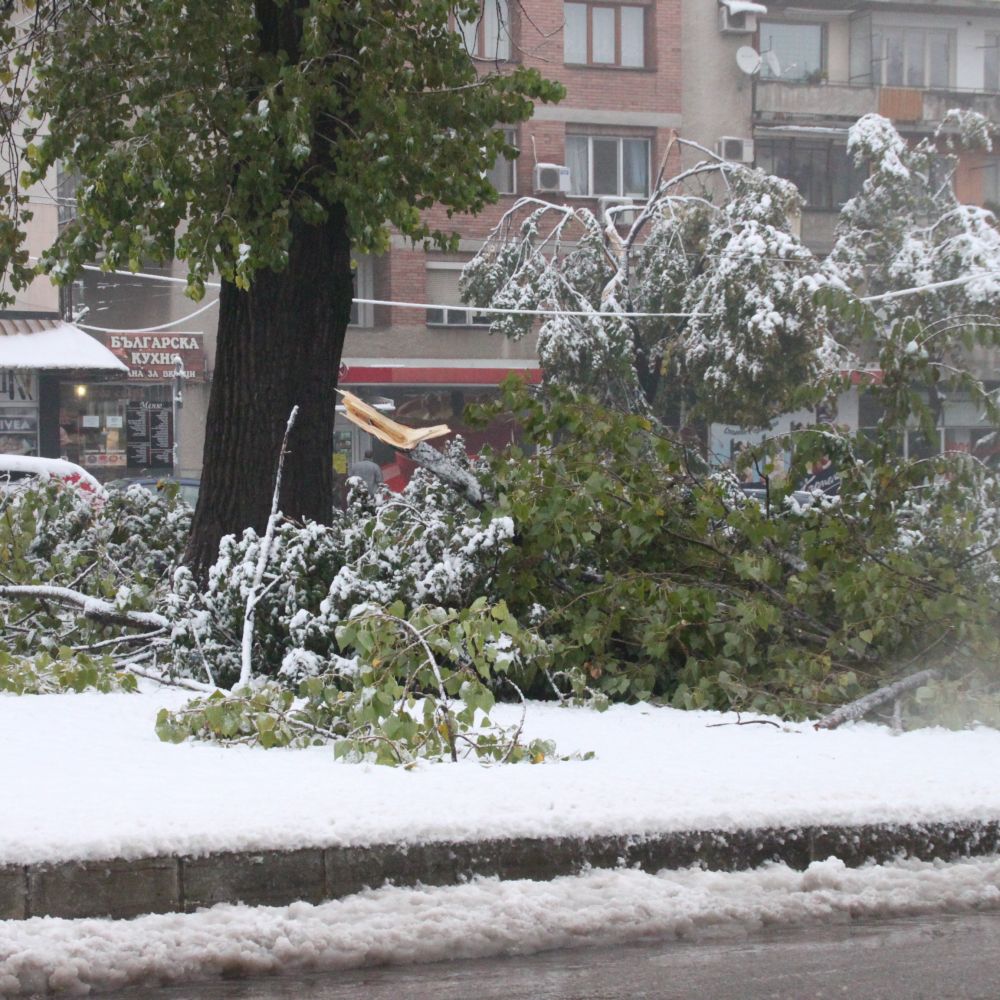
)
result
[(102, 612)]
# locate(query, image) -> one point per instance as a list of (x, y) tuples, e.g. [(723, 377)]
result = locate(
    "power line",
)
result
[(899, 293), (150, 329)]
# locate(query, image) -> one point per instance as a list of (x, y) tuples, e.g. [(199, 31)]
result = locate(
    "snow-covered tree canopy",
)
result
[(730, 285), (710, 297)]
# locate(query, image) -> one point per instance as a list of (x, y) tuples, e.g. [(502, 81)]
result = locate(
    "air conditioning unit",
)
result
[(551, 177), (743, 23), (732, 148), (627, 210)]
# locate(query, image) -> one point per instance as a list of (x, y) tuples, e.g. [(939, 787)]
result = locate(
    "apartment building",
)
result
[(621, 66), (778, 84)]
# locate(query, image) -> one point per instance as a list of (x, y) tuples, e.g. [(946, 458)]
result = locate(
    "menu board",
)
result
[(150, 433)]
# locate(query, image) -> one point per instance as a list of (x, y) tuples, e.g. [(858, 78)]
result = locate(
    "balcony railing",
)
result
[(800, 103)]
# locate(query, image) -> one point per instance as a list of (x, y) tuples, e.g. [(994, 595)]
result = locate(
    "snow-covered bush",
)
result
[(117, 551), (735, 328), (424, 547)]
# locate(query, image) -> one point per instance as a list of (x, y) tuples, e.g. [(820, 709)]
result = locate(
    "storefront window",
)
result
[(115, 429), (18, 412)]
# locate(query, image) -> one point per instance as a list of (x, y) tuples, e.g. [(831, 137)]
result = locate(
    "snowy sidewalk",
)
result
[(86, 779)]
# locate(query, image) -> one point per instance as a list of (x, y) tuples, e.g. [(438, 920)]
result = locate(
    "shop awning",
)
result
[(53, 345)]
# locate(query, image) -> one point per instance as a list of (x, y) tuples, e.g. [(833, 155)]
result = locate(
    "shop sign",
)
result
[(103, 459), (17, 387), (150, 356), (18, 431)]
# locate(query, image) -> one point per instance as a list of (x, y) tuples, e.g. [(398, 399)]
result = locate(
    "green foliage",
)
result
[(418, 687), (207, 130), (64, 672), (650, 579)]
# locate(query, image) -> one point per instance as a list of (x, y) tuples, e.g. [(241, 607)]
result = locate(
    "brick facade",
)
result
[(600, 100)]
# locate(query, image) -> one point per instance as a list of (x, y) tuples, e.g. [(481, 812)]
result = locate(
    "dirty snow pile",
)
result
[(85, 777), (481, 918)]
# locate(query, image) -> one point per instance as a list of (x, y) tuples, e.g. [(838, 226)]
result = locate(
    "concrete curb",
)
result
[(123, 888)]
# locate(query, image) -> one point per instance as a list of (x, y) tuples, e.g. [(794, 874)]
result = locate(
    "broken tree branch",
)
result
[(860, 708), (102, 612), (450, 472)]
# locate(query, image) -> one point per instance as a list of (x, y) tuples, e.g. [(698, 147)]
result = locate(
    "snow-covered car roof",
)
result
[(18, 466)]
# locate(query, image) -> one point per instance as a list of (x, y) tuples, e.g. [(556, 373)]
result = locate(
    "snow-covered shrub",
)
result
[(117, 550), (711, 298), (419, 688), (424, 546)]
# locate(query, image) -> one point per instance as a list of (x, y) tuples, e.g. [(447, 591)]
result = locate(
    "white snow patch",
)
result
[(484, 917), (85, 777)]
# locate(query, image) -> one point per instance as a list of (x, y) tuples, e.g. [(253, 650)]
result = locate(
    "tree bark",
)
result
[(279, 345)]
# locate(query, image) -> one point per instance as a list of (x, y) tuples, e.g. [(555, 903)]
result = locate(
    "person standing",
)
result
[(367, 471)]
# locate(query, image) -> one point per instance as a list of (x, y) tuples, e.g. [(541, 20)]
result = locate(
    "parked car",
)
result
[(187, 487), (15, 469)]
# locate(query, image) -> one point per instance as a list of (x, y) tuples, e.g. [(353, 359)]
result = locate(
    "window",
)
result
[(822, 172), (363, 313), (913, 57), (608, 165), (991, 61), (67, 182), (488, 37), (991, 184), (792, 52), (442, 291), (604, 35), (502, 175)]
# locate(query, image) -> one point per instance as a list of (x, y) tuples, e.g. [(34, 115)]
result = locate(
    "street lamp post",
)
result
[(178, 402)]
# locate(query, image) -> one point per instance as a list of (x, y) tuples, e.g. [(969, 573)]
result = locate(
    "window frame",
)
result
[(620, 140), (589, 7), (820, 70), (465, 317), (501, 51), (880, 55), (991, 44), (363, 313), (510, 137), (835, 155)]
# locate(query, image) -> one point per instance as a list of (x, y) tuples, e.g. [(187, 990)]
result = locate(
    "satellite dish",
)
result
[(748, 59), (771, 61)]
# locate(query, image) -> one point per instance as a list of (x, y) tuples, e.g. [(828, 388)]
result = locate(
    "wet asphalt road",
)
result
[(940, 957)]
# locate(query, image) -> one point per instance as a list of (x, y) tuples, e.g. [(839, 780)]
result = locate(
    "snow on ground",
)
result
[(84, 776), (481, 918)]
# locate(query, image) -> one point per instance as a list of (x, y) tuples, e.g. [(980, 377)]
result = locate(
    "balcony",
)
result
[(777, 102), (801, 103)]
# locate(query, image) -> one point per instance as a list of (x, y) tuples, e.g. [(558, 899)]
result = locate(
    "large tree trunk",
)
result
[(279, 344)]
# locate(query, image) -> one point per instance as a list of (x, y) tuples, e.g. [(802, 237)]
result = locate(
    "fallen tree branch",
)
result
[(860, 708), (450, 472), (102, 612)]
